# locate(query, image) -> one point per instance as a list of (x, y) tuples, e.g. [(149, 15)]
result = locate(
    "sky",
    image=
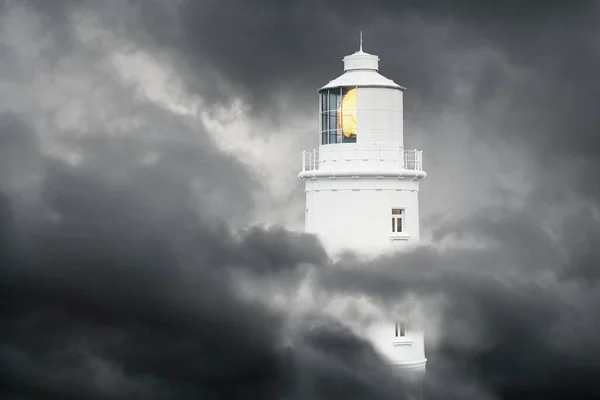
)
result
[(151, 215)]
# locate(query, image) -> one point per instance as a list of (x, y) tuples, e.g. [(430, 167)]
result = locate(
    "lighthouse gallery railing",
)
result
[(413, 159)]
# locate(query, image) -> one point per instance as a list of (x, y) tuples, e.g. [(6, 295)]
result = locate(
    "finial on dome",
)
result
[(361, 60), (360, 49)]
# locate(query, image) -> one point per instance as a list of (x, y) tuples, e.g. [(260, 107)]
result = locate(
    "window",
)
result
[(400, 329), (397, 220), (338, 115)]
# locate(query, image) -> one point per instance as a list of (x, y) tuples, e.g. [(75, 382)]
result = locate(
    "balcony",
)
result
[(375, 159)]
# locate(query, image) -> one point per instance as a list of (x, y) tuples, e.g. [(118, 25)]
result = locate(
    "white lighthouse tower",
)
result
[(362, 185)]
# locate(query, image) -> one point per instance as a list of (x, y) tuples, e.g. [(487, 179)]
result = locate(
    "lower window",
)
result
[(400, 329), (397, 220)]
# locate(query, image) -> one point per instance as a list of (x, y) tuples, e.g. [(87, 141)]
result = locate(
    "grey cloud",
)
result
[(261, 45), (133, 279), (75, 101), (527, 68), (19, 156), (519, 74), (123, 278), (119, 294), (517, 319)]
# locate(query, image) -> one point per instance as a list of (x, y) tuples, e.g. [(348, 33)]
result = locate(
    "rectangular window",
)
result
[(397, 220), (400, 329)]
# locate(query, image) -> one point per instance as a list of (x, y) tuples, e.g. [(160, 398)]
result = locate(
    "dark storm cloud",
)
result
[(19, 159), (111, 292), (113, 287), (517, 321), (540, 92), (118, 282), (119, 295), (118, 278), (301, 43), (530, 66), (105, 120), (519, 74)]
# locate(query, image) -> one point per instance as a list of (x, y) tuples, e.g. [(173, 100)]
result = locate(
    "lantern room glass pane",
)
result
[(332, 121), (334, 99), (338, 115)]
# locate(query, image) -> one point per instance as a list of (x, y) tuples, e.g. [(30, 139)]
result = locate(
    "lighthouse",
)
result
[(362, 185)]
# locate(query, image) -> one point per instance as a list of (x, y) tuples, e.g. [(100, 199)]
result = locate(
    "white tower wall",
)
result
[(379, 117), (356, 213), (362, 185)]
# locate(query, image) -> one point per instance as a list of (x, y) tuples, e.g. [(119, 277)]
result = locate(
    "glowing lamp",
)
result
[(346, 113)]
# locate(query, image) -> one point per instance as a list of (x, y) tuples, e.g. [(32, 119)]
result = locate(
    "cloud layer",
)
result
[(148, 153)]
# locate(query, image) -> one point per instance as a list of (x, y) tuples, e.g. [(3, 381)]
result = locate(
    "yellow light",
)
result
[(346, 113)]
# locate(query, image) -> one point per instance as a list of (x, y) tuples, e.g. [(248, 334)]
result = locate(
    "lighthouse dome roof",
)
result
[(361, 69)]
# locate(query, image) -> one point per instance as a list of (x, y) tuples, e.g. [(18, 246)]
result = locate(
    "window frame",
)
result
[(400, 329), (404, 233), (398, 216)]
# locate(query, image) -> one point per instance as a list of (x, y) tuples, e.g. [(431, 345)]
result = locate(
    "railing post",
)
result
[(303, 160), (416, 158), (314, 159), (402, 158)]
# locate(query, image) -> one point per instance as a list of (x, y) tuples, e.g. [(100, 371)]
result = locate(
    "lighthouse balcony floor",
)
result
[(363, 163), (404, 159)]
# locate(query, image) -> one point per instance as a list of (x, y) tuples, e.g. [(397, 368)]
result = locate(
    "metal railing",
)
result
[(310, 160), (413, 159)]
